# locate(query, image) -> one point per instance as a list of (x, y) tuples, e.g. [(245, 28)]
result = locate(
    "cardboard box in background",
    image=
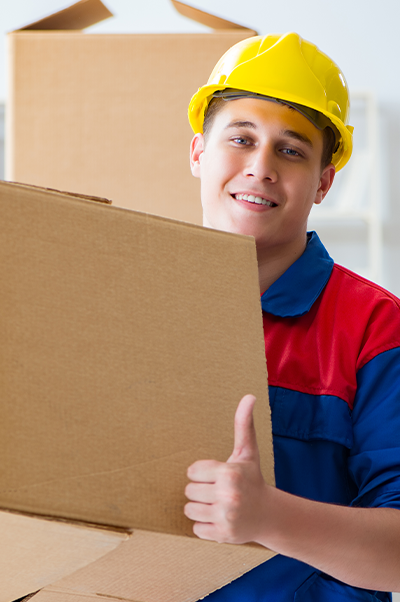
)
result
[(106, 114), (126, 343)]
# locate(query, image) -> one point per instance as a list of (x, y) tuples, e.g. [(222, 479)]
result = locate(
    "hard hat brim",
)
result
[(200, 101)]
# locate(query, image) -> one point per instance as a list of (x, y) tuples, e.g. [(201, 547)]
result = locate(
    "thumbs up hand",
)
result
[(228, 499)]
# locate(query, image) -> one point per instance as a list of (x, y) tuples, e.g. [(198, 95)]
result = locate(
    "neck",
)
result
[(272, 263)]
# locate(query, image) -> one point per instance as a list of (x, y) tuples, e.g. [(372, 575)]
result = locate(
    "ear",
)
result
[(325, 182), (196, 151)]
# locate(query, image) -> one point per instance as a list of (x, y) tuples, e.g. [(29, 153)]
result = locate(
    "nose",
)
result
[(262, 164)]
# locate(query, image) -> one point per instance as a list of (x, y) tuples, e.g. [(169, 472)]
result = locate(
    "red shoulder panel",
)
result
[(320, 353)]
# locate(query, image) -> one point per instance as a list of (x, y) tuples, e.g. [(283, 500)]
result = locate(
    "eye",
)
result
[(291, 152), (240, 140)]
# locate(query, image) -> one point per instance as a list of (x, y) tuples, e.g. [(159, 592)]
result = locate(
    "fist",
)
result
[(227, 499)]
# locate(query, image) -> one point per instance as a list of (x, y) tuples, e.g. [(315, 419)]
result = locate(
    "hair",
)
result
[(214, 107), (328, 137), (329, 146)]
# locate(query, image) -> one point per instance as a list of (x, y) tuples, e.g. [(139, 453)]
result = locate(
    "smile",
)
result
[(250, 198)]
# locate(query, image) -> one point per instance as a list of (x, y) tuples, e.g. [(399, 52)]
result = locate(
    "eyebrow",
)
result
[(289, 133), (241, 124), (297, 136)]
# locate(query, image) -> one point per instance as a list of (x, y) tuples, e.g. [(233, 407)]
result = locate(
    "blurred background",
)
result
[(360, 219)]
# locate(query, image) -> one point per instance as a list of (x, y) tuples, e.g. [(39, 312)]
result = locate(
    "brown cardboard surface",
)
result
[(155, 567), (106, 114), (35, 552), (126, 342)]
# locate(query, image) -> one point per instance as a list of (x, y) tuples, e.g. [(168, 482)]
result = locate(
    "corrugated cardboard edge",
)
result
[(75, 195), (78, 16), (26, 598), (195, 14)]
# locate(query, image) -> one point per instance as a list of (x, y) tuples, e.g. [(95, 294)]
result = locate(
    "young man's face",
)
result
[(260, 171)]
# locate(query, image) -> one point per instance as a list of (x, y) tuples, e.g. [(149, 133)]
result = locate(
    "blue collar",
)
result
[(293, 294)]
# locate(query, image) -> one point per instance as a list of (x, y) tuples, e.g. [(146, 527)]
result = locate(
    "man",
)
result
[(270, 131)]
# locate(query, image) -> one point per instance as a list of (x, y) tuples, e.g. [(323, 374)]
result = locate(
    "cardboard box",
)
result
[(126, 343), (106, 114)]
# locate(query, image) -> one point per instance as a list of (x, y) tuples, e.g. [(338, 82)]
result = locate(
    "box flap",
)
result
[(154, 567), (195, 14), (78, 16), (36, 552)]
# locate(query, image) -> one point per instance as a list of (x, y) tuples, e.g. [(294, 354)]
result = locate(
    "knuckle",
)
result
[(232, 474), (233, 514), (226, 533)]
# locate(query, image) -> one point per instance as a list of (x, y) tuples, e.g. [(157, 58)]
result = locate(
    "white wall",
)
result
[(361, 35)]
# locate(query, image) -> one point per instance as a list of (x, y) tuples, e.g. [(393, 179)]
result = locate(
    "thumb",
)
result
[(245, 447)]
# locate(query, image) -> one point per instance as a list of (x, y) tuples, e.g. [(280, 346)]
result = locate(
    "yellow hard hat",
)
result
[(286, 68)]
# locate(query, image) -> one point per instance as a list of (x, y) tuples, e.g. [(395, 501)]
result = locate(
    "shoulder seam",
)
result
[(369, 283)]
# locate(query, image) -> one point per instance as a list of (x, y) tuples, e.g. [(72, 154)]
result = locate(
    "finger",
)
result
[(200, 492), (245, 447), (203, 471), (202, 513), (206, 531)]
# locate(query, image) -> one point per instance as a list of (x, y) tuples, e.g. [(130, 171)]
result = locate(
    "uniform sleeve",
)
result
[(374, 460)]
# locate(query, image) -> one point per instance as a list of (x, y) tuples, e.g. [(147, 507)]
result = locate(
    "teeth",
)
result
[(250, 198)]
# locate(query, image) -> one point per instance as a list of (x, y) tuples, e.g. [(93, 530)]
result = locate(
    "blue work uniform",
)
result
[(332, 342)]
